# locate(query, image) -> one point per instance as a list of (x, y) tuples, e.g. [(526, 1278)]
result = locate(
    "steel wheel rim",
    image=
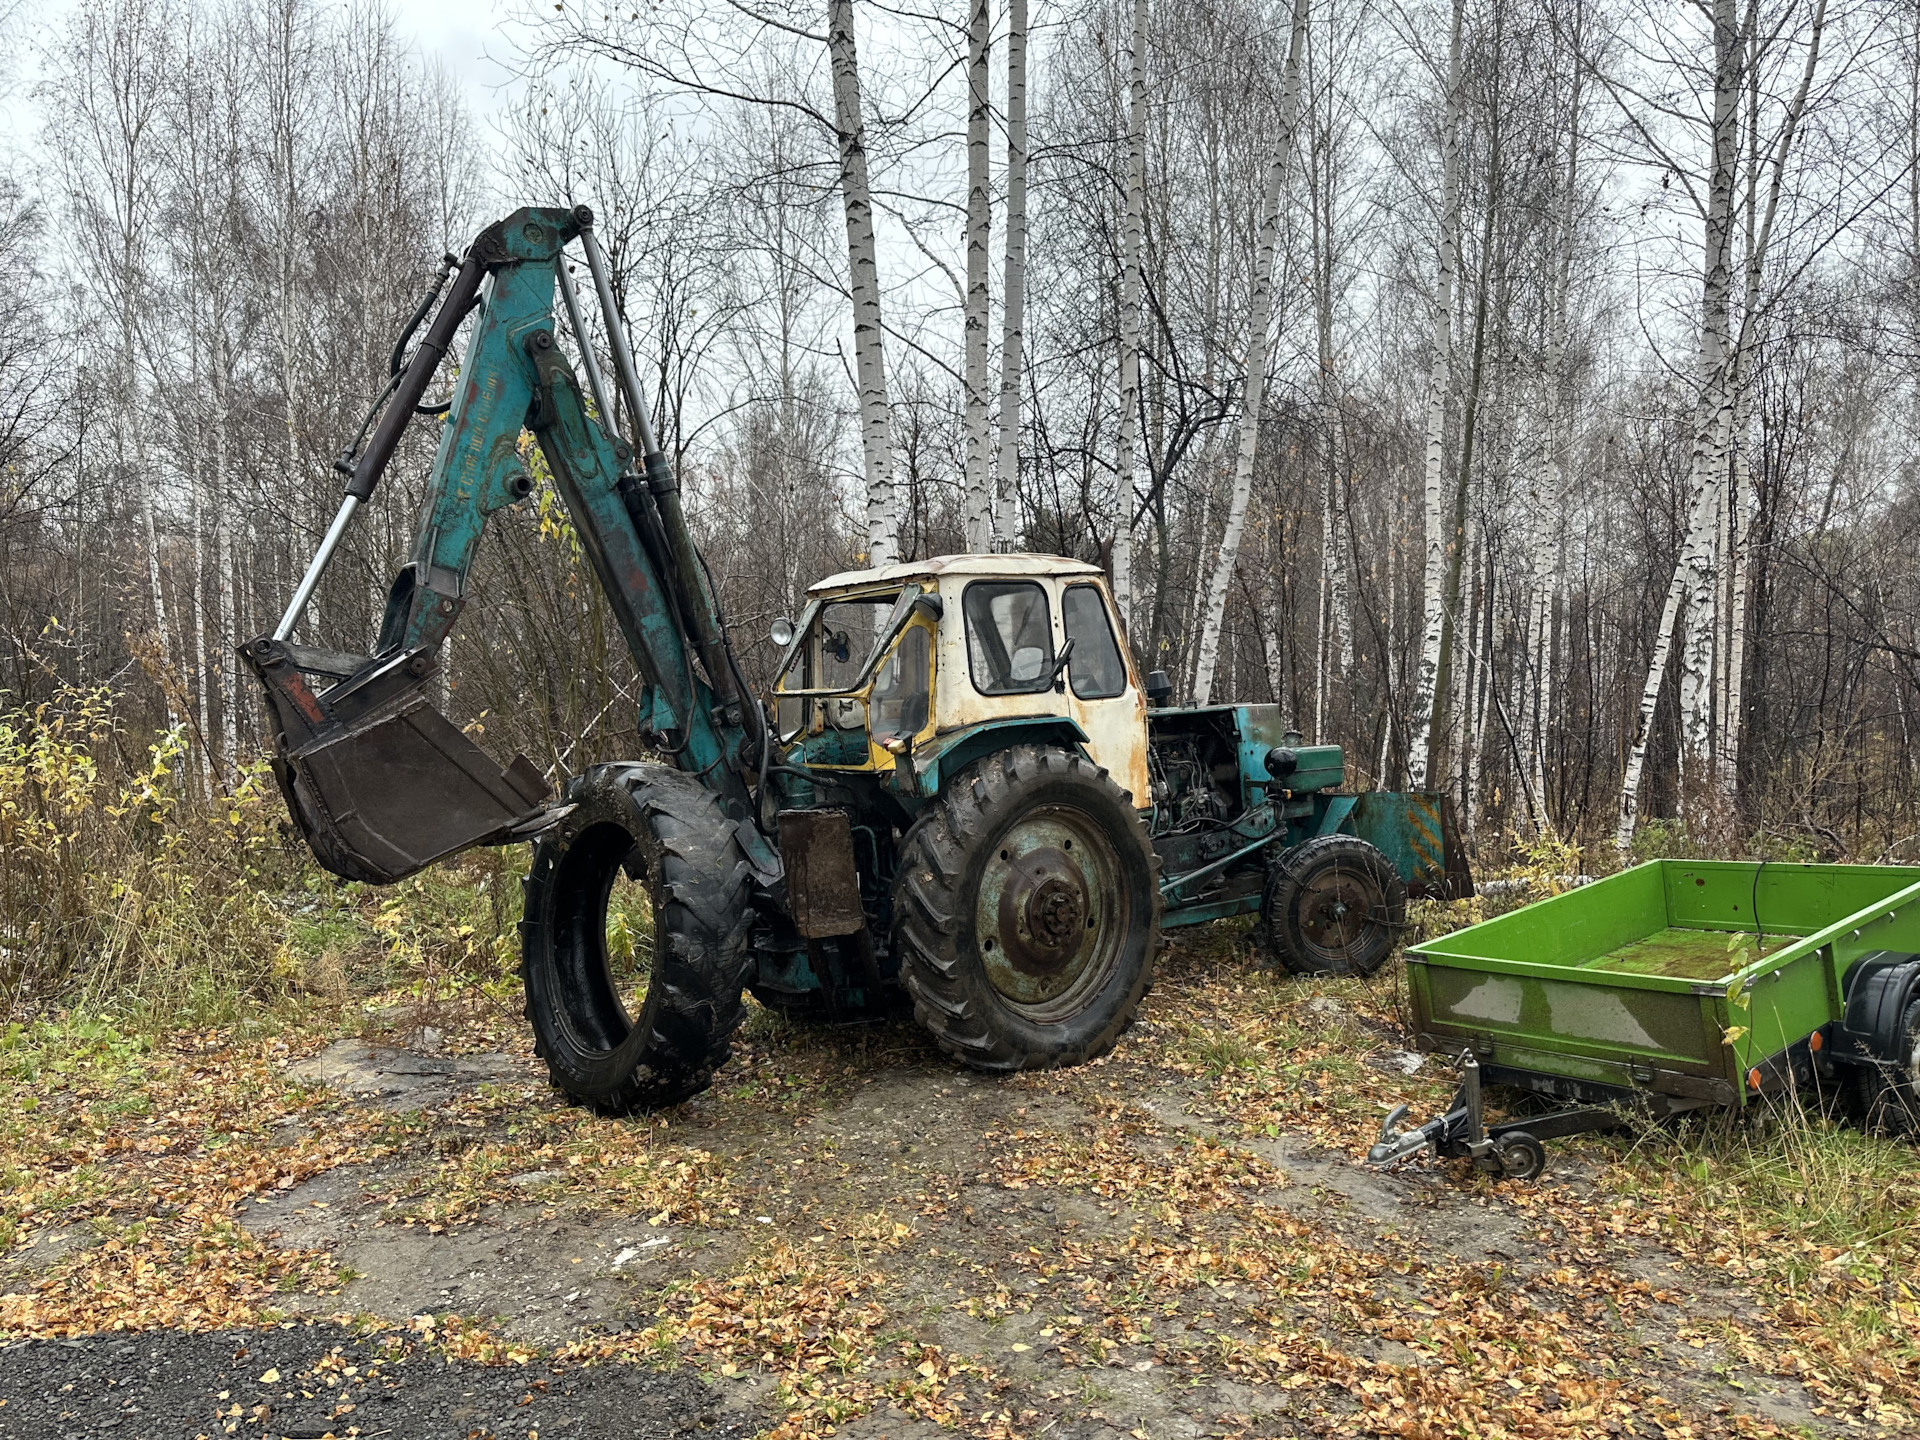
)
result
[(1337, 911), (1051, 914)]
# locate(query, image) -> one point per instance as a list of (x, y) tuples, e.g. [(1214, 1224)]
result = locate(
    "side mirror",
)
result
[(781, 632)]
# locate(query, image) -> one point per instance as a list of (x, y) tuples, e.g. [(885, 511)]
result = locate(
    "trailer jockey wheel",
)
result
[(1333, 906), (1521, 1156)]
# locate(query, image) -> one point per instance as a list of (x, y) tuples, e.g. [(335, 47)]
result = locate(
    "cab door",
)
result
[(1102, 692)]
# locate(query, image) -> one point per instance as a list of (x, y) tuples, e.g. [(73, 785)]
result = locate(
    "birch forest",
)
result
[(1521, 393)]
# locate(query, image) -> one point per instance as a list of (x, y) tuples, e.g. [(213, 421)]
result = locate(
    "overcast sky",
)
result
[(459, 33)]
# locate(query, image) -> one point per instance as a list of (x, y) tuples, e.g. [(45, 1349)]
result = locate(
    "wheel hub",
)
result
[(1336, 910), (1043, 910), (1049, 911)]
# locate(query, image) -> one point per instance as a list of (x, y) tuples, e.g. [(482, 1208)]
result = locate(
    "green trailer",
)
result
[(1677, 985)]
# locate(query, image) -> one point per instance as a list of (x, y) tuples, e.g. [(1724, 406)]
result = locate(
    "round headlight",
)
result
[(782, 632)]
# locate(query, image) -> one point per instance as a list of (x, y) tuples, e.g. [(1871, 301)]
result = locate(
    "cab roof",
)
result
[(1019, 567)]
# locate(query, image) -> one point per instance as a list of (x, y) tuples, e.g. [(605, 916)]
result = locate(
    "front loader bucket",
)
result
[(379, 782)]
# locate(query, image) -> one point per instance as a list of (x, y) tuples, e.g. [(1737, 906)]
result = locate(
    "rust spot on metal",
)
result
[(823, 884)]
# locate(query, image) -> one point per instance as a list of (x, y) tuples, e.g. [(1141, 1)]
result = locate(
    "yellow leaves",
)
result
[(271, 1377)]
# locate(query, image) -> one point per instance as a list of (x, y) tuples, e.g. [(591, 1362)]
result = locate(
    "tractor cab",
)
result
[(914, 669)]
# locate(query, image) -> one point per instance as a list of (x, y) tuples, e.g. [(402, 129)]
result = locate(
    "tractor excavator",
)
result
[(960, 796)]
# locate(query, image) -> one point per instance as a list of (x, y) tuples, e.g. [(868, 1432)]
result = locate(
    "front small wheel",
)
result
[(1333, 906)]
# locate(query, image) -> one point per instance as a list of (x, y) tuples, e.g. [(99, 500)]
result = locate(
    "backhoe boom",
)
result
[(380, 782)]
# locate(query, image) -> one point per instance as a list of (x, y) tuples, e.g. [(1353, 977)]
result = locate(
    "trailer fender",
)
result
[(1879, 988)]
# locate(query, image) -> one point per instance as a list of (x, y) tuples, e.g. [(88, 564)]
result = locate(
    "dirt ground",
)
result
[(849, 1235)]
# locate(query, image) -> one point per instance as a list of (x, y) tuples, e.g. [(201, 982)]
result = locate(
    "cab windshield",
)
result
[(837, 651)]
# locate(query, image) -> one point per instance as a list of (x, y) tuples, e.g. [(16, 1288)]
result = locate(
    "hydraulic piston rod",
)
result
[(311, 580)]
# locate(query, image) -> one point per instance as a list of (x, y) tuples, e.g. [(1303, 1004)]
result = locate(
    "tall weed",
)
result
[(114, 880)]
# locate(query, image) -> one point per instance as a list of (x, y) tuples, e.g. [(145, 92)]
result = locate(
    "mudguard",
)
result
[(947, 754), (1879, 988)]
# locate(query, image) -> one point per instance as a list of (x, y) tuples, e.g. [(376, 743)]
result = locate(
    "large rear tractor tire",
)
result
[(1333, 906), (1027, 911), (634, 1003)]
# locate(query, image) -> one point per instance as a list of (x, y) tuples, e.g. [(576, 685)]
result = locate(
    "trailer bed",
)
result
[(1694, 980)]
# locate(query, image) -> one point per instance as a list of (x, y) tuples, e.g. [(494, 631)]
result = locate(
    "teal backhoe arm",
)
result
[(381, 783)]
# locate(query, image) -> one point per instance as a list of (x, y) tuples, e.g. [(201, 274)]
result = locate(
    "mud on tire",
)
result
[(664, 828), (1027, 911)]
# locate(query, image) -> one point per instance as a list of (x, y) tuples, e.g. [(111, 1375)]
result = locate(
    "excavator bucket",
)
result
[(379, 782)]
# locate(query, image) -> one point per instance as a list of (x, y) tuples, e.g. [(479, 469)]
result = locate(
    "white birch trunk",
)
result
[(863, 275), (1699, 517), (1742, 507), (198, 670), (224, 577), (1439, 383), (1699, 554), (1322, 635), (977, 508), (1133, 244), (1551, 499), (1253, 387), (1690, 594), (1480, 693), (156, 592), (1014, 281), (1459, 677), (1717, 400)]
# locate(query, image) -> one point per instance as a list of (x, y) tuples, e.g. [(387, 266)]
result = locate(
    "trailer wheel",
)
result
[(1522, 1157), (1889, 1089), (1333, 906), (631, 1015), (1027, 911)]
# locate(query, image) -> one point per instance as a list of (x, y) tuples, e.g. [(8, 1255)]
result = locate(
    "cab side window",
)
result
[(1009, 637), (901, 691), (1095, 667)]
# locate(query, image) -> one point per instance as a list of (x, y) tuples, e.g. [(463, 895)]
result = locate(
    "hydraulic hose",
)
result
[(413, 381)]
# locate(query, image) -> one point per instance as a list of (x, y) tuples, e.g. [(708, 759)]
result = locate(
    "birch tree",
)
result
[(1439, 384), (1013, 283), (863, 269), (113, 82), (1550, 498), (1692, 592), (978, 484), (1133, 244), (1253, 385)]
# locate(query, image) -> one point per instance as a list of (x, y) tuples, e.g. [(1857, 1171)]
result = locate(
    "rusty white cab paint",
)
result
[(1115, 723)]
